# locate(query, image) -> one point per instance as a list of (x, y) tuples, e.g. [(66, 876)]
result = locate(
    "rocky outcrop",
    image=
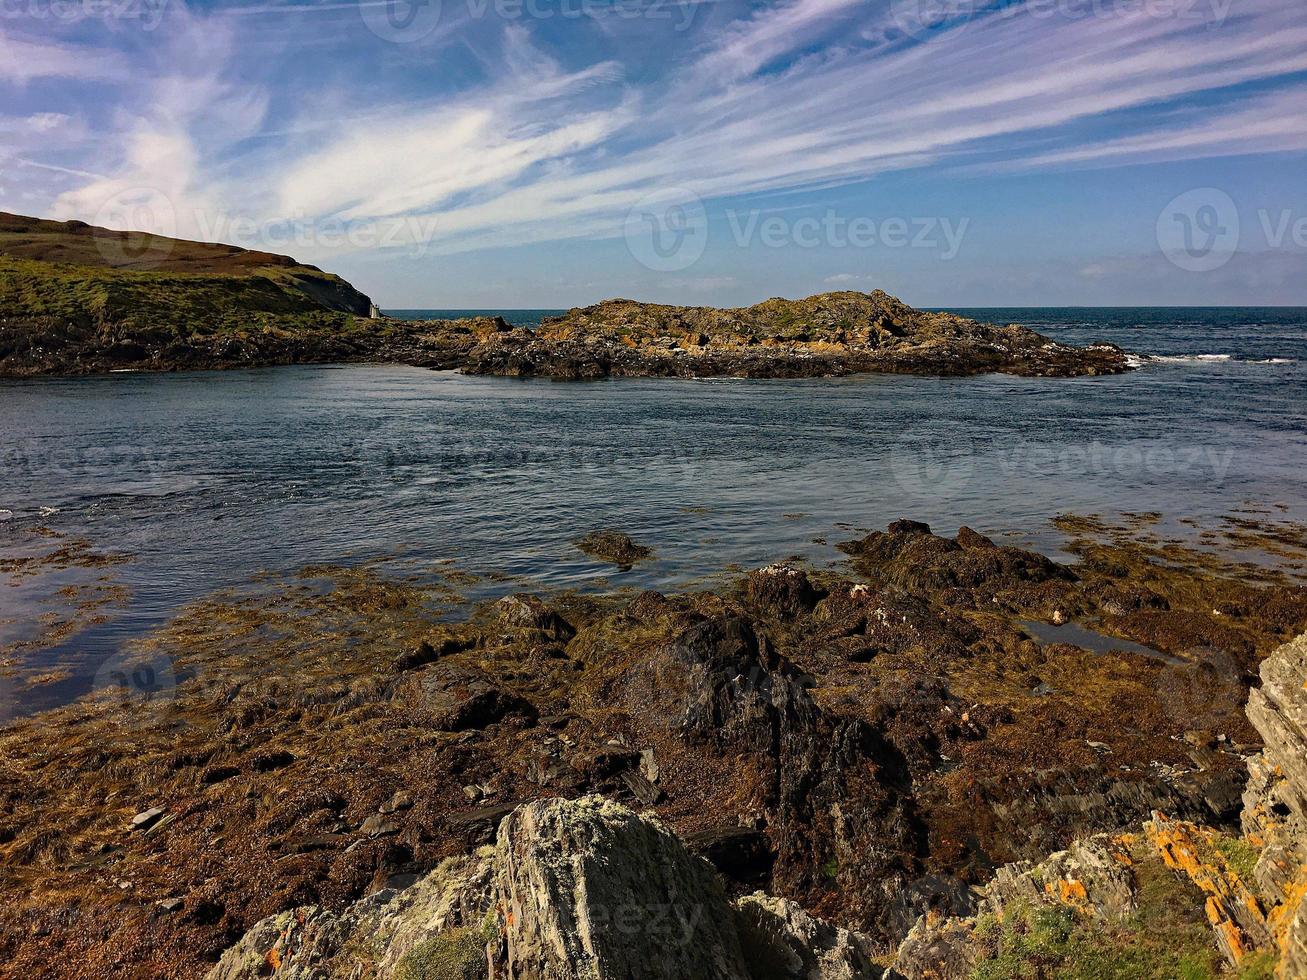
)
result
[(1275, 802), (614, 547), (1092, 876), (1251, 916), (1235, 913), (572, 889), (829, 334)]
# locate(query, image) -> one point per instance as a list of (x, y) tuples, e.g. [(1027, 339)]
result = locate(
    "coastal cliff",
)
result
[(76, 299)]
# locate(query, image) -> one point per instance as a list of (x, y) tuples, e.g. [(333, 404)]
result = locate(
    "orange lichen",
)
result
[(1234, 912)]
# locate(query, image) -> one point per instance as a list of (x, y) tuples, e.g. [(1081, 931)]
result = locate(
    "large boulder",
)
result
[(590, 889), (572, 889)]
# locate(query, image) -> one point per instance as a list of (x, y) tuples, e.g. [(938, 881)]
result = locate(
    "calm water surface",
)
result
[(208, 478)]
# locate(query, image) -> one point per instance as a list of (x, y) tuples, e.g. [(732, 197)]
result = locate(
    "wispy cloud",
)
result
[(555, 140)]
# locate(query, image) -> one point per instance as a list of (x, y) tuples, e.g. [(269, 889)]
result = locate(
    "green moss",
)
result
[(1259, 967), (1240, 856), (455, 954), (1155, 943)]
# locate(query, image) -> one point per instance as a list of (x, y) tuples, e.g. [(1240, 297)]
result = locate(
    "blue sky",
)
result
[(548, 153)]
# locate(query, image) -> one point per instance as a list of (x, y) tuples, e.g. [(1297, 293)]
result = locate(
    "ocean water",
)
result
[(207, 479)]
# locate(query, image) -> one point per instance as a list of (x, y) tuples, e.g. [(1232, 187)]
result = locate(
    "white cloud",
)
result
[(545, 152)]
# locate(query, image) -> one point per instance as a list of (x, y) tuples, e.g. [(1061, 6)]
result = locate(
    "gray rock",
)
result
[(147, 818), (573, 889), (590, 889)]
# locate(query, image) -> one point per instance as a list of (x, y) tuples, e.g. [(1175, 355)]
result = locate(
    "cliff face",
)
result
[(75, 299), (1275, 802)]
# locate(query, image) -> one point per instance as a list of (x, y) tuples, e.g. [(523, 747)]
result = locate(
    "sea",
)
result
[(201, 481)]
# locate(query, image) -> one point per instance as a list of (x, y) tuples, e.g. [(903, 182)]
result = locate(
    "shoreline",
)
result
[(351, 683)]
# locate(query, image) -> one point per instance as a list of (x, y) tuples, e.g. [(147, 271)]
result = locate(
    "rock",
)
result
[(525, 612), (782, 591), (147, 818), (968, 538), (458, 706), (590, 889), (169, 905), (572, 888), (1093, 877), (614, 547), (400, 935), (1275, 800), (400, 801), (936, 949), (781, 939), (643, 790), (429, 651), (649, 765), (826, 784), (1236, 915), (378, 826), (740, 853)]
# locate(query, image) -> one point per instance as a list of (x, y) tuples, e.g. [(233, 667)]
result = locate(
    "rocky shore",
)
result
[(825, 335), (78, 300), (828, 773)]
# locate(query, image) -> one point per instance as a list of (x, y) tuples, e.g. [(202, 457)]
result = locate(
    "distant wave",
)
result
[(1139, 360)]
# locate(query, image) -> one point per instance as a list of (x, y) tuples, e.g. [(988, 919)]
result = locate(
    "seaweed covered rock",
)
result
[(615, 547), (908, 554), (782, 591)]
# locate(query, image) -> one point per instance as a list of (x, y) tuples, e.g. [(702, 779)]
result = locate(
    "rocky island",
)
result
[(875, 770), (76, 299)]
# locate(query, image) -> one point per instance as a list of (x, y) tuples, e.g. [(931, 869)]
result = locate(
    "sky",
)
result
[(503, 154)]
